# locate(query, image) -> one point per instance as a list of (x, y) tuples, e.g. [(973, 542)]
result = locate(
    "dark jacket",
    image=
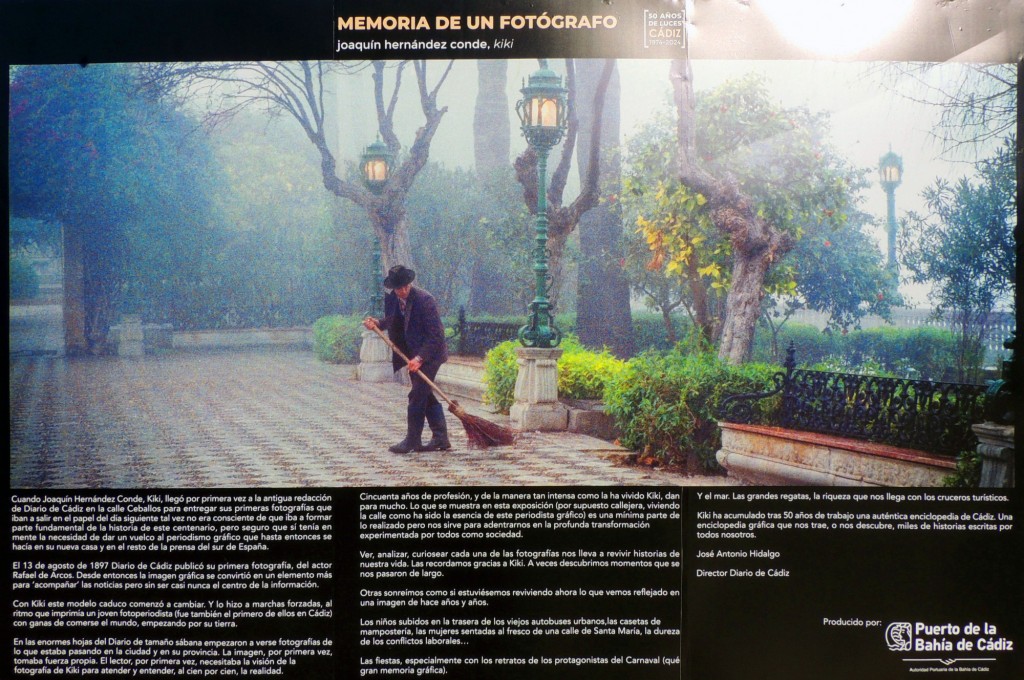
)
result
[(419, 333)]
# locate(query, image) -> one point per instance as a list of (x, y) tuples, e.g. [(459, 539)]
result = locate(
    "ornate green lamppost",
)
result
[(376, 163), (890, 175), (542, 112)]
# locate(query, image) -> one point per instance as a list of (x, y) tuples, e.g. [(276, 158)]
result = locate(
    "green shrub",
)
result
[(665, 403), (336, 339), (500, 370), (812, 345), (24, 280), (925, 352), (968, 471), (649, 330), (841, 364), (921, 353), (582, 373)]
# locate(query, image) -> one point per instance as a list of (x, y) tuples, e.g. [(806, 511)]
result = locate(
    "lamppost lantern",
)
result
[(543, 111), (543, 114), (375, 164), (890, 176), (890, 171)]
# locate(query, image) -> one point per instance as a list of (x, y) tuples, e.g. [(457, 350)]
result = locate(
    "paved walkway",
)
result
[(259, 418)]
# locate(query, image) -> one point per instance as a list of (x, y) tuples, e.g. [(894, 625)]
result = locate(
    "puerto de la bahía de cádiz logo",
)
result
[(977, 641), (899, 636)]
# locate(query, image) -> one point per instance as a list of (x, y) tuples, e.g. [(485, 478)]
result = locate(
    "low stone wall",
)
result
[(462, 378), (302, 337), (765, 455)]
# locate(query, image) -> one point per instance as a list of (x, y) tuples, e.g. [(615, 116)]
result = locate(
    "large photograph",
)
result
[(648, 339), (683, 272)]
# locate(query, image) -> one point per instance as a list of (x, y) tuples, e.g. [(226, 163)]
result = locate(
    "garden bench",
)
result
[(838, 429)]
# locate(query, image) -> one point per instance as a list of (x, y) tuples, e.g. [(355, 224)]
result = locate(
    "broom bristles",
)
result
[(480, 432)]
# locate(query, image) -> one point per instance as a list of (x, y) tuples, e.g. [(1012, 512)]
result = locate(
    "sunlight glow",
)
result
[(836, 27)]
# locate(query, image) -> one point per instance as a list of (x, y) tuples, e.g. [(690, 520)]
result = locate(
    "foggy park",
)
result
[(707, 250)]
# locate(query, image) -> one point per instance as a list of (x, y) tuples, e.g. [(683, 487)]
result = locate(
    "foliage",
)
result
[(650, 332), (665, 403), (582, 373), (841, 274), (121, 173), (500, 369), (965, 249), (779, 158), (843, 364), (337, 338), (968, 471), (812, 345), (675, 257), (43, 236), (920, 353), (23, 279)]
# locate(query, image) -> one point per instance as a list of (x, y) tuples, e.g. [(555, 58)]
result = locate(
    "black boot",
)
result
[(438, 428), (414, 429)]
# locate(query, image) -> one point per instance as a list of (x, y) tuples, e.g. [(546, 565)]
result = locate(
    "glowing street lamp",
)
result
[(376, 163), (542, 112), (890, 175)]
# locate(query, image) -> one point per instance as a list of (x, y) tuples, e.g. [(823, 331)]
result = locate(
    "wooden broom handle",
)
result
[(397, 351)]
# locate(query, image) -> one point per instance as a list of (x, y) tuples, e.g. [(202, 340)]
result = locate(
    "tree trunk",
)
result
[(743, 305), (491, 150), (393, 232), (491, 128), (602, 308), (756, 243), (670, 328), (701, 307)]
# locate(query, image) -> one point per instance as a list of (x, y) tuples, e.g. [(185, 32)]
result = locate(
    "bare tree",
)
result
[(297, 89), (756, 243), (978, 101), (562, 219)]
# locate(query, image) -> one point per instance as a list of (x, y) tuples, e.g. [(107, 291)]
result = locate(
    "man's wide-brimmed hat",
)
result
[(399, 276)]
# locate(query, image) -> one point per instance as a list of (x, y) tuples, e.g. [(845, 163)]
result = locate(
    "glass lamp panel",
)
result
[(376, 170), (549, 113)]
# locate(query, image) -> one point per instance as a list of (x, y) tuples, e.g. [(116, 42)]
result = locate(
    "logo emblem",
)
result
[(898, 636)]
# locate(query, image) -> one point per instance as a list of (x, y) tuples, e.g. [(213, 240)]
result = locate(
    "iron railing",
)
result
[(915, 414), (474, 338)]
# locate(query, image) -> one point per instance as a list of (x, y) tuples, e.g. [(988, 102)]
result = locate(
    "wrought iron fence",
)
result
[(474, 338), (915, 414)]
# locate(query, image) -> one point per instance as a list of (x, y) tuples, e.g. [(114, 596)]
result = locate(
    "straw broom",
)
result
[(480, 432)]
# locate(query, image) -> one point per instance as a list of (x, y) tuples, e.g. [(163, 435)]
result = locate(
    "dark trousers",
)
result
[(421, 395)]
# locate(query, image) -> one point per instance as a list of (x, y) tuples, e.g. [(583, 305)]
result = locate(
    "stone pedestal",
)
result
[(995, 444), (374, 359), (536, 406), (130, 336)]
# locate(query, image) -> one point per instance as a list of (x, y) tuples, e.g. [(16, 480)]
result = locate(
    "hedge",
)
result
[(665, 404), (582, 373), (336, 338)]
